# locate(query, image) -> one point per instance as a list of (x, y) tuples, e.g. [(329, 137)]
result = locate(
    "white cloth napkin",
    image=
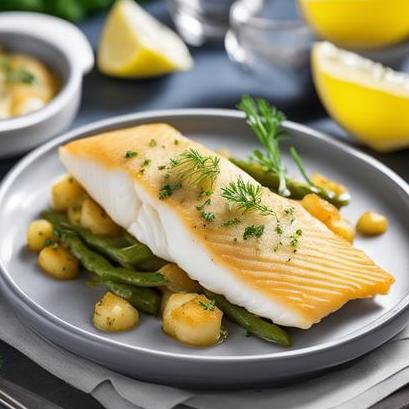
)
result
[(356, 386)]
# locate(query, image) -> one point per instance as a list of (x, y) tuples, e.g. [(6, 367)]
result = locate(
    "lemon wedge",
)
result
[(133, 44), (358, 24), (369, 100)]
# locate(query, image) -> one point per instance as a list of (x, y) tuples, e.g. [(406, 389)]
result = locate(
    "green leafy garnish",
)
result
[(152, 143), (168, 189), (253, 231), (300, 165), (130, 154), (196, 169), (20, 75), (208, 306), (231, 222), (295, 238), (208, 216), (246, 196), (203, 205), (265, 121)]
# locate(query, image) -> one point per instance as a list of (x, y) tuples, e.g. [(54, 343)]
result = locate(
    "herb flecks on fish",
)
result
[(253, 231), (168, 190)]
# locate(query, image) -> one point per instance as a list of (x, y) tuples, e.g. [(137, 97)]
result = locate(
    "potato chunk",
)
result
[(320, 208), (342, 228), (178, 280), (94, 218), (65, 192), (113, 313), (38, 233), (372, 224), (328, 184), (58, 262), (192, 319)]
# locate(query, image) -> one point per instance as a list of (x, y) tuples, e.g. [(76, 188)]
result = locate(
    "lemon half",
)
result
[(369, 100), (133, 44), (358, 24)]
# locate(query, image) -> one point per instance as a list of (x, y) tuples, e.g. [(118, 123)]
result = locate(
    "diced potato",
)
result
[(195, 322), (58, 262), (178, 280), (320, 208), (38, 233), (372, 224), (94, 218), (166, 294), (328, 184), (65, 193), (113, 313), (74, 213), (342, 228), (172, 302)]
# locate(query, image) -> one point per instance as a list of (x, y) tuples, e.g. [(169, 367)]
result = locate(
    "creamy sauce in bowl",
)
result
[(26, 84)]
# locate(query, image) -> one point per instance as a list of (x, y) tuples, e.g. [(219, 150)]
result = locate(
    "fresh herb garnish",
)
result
[(265, 121), (300, 165), (152, 143), (20, 75), (196, 169), (208, 216), (146, 163), (130, 154), (161, 167), (295, 238), (253, 231), (246, 196), (203, 205), (168, 189), (231, 222), (208, 306)]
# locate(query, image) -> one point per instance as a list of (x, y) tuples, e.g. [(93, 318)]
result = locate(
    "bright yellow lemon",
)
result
[(358, 24), (367, 99), (133, 44)]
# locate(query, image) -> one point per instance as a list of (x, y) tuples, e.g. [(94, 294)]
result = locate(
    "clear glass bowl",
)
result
[(270, 41)]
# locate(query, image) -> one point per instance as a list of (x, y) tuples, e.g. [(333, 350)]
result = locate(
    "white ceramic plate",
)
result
[(61, 312)]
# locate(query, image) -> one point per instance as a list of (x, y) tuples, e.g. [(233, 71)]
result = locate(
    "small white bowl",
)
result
[(66, 51)]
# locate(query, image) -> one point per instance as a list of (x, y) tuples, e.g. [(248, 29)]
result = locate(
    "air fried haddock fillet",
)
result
[(267, 278)]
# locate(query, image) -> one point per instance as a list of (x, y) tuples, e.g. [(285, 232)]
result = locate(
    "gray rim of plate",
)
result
[(126, 120)]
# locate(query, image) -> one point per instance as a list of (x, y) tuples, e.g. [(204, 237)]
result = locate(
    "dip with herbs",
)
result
[(26, 84)]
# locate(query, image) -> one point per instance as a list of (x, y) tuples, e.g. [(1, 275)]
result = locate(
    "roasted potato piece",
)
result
[(38, 233), (113, 313), (65, 193), (320, 208), (178, 280), (94, 218), (372, 224), (192, 319), (58, 262), (342, 228), (328, 184)]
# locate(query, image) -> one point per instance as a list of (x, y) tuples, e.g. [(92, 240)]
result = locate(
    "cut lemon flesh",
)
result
[(359, 24), (369, 100), (133, 44)]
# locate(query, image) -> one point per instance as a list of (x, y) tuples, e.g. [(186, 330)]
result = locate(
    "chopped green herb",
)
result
[(279, 229), (208, 216), (203, 205), (295, 238), (152, 143), (176, 142), (253, 231), (146, 163), (161, 167), (231, 222), (168, 189), (20, 75), (130, 154), (208, 306)]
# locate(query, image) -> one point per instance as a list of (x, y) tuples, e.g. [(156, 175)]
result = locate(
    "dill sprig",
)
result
[(246, 196), (265, 121), (300, 165), (195, 168), (253, 231)]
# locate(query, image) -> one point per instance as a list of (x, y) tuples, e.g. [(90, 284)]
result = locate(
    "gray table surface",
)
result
[(214, 82)]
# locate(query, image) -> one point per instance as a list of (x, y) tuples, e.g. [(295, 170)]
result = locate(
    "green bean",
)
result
[(124, 249), (253, 324), (98, 264), (297, 188), (144, 299)]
